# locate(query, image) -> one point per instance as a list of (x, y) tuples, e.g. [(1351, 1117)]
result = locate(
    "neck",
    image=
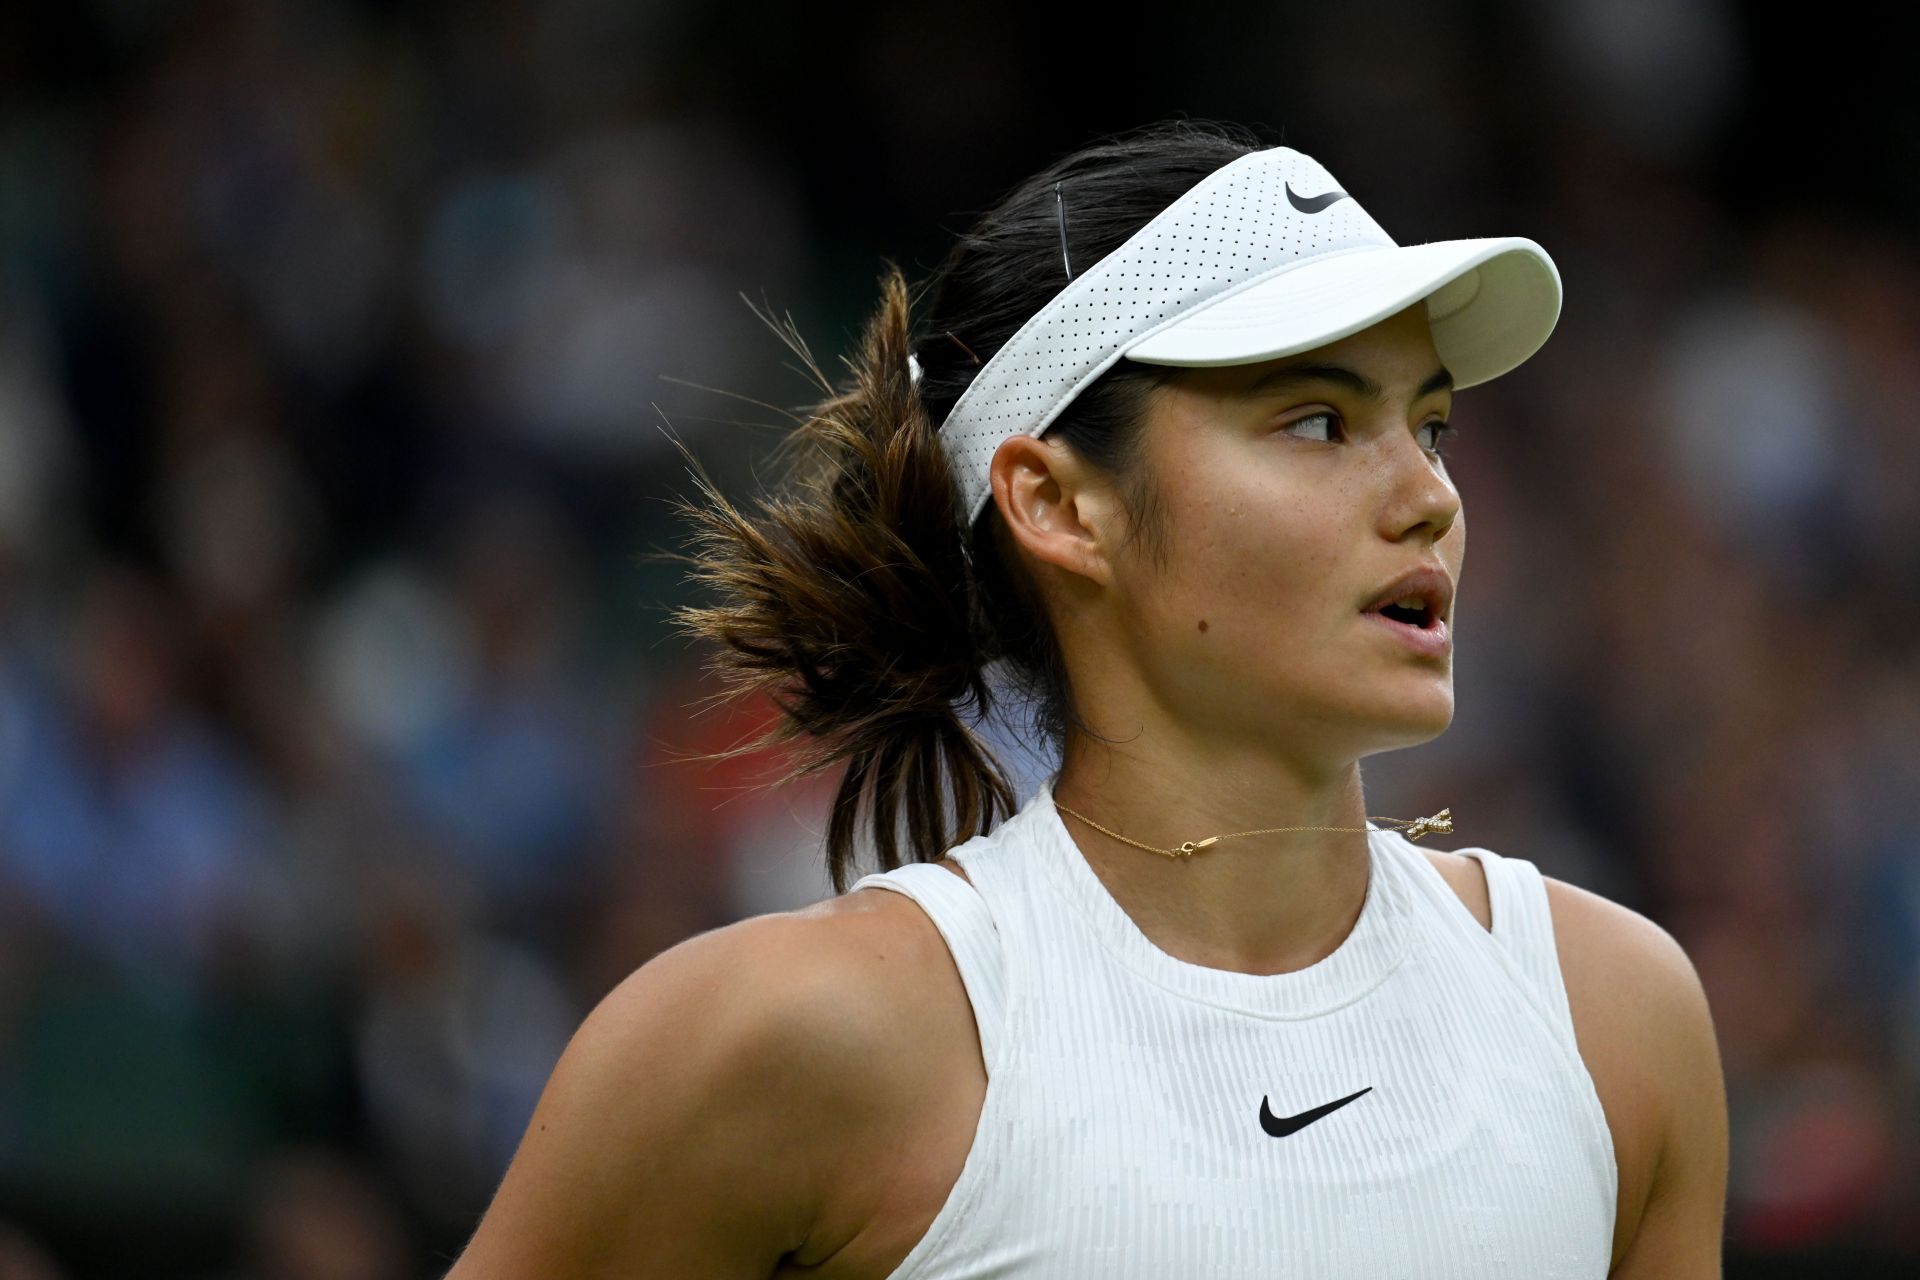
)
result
[(1272, 903)]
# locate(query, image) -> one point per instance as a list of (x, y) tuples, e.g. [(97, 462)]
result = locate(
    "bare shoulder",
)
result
[(879, 950), (1588, 923), (1646, 1033), (881, 934), (1467, 880), (915, 1040), (708, 1114), (1631, 970)]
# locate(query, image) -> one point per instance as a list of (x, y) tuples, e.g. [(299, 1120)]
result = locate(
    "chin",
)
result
[(1427, 728), (1403, 737), (1386, 721), (1416, 718)]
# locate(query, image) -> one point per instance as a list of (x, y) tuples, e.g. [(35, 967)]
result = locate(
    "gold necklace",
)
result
[(1441, 821)]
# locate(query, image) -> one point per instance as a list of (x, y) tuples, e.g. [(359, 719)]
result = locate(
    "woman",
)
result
[(1165, 450)]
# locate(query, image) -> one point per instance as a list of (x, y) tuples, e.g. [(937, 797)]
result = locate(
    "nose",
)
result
[(1422, 496)]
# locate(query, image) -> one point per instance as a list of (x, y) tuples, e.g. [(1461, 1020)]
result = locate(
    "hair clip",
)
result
[(1060, 207), (964, 347)]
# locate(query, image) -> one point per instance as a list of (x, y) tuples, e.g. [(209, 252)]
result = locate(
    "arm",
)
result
[(691, 1124), (1679, 1236)]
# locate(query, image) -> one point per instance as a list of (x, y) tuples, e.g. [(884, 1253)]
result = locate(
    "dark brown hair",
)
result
[(852, 599)]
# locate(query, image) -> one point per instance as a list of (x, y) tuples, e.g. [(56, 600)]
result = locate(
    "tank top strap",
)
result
[(960, 913), (1523, 927)]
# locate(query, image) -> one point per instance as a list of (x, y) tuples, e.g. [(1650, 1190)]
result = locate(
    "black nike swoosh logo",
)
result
[(1281, 1126), (1313, 204)]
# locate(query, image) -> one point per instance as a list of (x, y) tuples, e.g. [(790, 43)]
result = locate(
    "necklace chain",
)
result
[(1414, 829)]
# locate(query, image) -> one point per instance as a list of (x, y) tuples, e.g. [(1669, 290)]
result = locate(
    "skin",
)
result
[(1240, 677), (796, 1093)]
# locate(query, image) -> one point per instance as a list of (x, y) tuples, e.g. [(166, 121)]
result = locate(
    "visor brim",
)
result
[(1491, 302)]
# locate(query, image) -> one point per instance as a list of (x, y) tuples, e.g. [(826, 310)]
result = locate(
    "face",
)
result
[(1290, 503)]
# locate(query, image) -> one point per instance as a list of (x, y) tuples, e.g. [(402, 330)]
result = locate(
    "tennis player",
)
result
[(1165, 449)]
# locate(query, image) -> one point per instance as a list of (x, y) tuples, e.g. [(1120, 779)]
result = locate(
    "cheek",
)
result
[(1254, 574)]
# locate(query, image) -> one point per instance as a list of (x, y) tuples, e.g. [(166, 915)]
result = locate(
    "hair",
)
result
[(854, 601)]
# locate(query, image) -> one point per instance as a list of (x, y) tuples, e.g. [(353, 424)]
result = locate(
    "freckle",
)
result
[(1203, 624)]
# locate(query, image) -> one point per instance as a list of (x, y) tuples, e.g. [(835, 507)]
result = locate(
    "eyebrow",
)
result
[(1352, 379)]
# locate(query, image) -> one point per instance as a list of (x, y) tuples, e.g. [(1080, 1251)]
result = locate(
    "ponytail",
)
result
[(854, 600), (850, 602)]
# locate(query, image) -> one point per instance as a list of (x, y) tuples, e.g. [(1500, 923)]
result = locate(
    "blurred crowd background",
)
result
[(342, 352)]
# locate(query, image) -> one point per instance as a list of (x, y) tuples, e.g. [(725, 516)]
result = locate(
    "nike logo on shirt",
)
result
[(1281, 1126)]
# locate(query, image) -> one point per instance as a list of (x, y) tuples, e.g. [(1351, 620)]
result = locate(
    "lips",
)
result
[(1420, 597), (1433, 640)]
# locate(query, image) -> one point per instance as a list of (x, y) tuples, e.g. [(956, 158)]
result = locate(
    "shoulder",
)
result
[(881, 966), (830, 1005), (898, 1029), (837, 989), (1648, 981), (737, 1084), (1467, 880), (1646, 1032)]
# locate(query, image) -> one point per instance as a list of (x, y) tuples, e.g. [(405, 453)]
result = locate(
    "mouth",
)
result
[(1421, 599), (1420, 631), (1418, 613)]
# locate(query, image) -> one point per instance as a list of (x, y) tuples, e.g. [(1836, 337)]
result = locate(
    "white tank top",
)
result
[(1413, 1105)]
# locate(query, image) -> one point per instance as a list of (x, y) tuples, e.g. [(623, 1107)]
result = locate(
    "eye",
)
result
[(1323, 416), (1442, 430)]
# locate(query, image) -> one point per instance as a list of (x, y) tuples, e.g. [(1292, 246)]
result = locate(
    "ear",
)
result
[(1058, 507)]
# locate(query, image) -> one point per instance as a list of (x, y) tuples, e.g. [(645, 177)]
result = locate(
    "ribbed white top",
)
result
[(1122, 1131)]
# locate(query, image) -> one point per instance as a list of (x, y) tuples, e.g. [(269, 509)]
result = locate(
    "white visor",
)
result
[(1266, 257), (1491, 304)]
